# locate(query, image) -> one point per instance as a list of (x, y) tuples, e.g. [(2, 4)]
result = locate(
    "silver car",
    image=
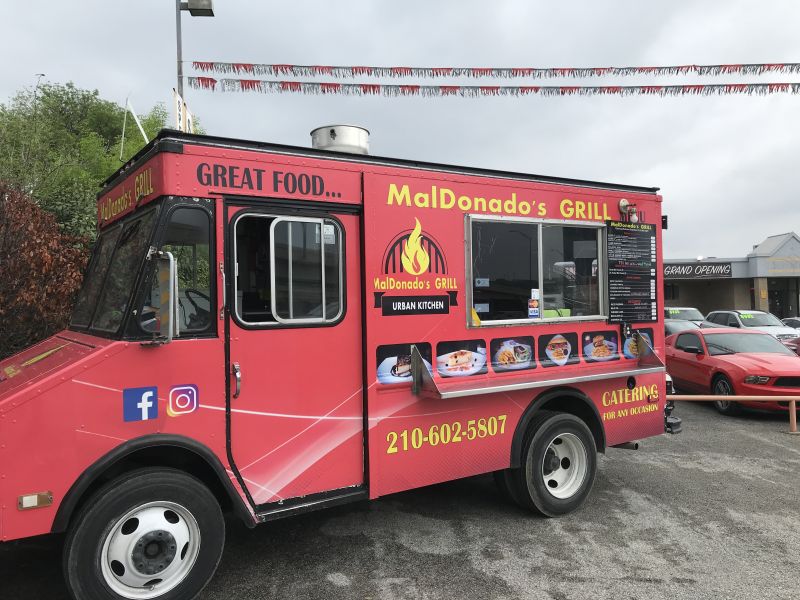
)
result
[(753, 319)]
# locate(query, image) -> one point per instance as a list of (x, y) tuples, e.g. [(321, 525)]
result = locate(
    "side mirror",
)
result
[(733, 324), (693, 350), (166, 324)]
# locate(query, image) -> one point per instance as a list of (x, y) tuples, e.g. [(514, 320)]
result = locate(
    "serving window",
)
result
[(289, 270), (526, 271)]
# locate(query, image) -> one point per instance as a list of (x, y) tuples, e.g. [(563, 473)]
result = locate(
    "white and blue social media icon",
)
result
[(183, 399), (140, 404)]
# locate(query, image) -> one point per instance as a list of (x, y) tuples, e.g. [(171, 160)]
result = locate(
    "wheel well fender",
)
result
[(568, 400), (159, 450)]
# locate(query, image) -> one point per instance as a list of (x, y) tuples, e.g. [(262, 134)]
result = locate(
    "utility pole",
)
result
[(196, 8), (180, 43)]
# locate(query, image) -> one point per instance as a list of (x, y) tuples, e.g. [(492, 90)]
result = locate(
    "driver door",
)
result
[(296, 397)]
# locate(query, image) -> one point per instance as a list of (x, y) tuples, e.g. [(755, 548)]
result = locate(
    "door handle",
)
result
[(237, 375)]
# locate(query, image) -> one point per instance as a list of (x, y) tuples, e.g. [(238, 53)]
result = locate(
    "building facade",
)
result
[(768, 279)]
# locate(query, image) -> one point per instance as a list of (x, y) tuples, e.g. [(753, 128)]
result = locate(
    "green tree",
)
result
[(59, 142)]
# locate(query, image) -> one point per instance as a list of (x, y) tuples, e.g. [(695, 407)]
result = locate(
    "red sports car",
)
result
[(723, 361), (793, 345)]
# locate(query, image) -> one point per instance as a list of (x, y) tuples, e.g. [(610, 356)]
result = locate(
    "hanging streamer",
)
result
[(341, 72), (474, 91)]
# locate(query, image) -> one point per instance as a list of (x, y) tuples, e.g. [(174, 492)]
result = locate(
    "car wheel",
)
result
[(722, 387), (154, 533), (559, 464)]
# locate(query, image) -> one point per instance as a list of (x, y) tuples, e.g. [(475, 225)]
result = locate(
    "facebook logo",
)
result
[(140, 404)]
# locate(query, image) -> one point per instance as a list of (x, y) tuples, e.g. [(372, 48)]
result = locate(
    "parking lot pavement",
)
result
[(710, 513)]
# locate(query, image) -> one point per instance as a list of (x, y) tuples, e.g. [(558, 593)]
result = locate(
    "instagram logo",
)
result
[(183, 399)]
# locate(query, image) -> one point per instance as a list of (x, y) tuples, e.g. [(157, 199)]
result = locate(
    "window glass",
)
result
[(671, 292), (570, 271), (505, 268), (672, 327), (93, 280), (506, 279), (689, 314), (307, 262), (253, 287), (333, 270), (732, 343), (687, 339), (188, 238), (298, 270), (125, 264), (732, 322), (759, 319)]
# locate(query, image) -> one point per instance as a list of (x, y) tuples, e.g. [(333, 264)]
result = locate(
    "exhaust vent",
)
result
[(341, 138)]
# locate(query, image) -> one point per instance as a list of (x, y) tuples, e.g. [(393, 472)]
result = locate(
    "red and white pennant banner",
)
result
[(340, 72), (473, 91)]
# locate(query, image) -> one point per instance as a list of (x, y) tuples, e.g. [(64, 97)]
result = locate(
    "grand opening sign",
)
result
[(698, 270)]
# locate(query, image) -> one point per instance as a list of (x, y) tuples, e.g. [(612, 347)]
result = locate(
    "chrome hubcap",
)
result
[(564, 466), (722, 388), (150, 550)]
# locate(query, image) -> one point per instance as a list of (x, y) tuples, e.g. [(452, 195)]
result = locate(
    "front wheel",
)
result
[(154, 533), (723, 387), (559, 464)]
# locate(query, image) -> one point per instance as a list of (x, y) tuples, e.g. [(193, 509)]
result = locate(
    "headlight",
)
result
[(757, 379), (670, 385)]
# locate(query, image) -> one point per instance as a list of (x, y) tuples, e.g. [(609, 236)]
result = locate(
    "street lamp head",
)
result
[(199, 8)]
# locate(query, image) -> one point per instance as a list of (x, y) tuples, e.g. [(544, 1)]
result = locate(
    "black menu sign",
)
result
[(631, 252)]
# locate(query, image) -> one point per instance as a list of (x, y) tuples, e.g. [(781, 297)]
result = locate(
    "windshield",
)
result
[(688, 314), (93, 280), (108, 283), (753, 319), (733, 343)]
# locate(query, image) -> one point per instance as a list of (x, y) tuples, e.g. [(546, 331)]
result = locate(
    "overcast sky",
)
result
[(727, 166)]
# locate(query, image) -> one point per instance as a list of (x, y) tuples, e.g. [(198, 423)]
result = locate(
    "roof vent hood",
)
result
[(341, 138)]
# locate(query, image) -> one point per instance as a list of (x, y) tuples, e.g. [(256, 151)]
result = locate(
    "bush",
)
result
[(41, 270)]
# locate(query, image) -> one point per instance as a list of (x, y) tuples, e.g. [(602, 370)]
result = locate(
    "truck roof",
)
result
[(170, 140)]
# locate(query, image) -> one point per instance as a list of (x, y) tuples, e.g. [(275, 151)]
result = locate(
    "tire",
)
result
[(558, 467), (148, 523), (506, 483), (500, 482), (722, 387)]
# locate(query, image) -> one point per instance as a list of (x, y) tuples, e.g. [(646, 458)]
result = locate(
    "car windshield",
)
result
[(688, 314), (678, 326), (757, 319), (108, 284), (734, 343)]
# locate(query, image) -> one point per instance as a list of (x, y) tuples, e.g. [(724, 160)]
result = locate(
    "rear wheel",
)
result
[(722, 387), (155, 533), (559, 464)]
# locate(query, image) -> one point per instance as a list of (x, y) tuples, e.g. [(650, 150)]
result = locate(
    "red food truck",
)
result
[(269, 330)]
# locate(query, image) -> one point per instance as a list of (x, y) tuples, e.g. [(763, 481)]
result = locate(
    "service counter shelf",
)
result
[(423, 383)]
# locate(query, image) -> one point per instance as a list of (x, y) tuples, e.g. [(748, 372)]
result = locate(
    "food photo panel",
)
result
[(558, 350), (512, 354), (600, 346), (394, 361), (630, 348), (461, 359)]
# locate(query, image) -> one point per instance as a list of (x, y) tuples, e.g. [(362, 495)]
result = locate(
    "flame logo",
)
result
[(414, 257)]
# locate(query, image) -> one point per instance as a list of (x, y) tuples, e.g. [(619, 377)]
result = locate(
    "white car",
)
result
[(753, 319), (684, 313)]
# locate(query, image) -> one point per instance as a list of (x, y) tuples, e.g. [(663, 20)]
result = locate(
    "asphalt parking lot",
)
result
[(710, 513)]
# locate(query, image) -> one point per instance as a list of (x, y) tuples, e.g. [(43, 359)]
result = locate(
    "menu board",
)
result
[(631, 252)]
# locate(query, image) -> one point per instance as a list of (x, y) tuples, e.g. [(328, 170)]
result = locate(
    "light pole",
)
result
[(196, 8)]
